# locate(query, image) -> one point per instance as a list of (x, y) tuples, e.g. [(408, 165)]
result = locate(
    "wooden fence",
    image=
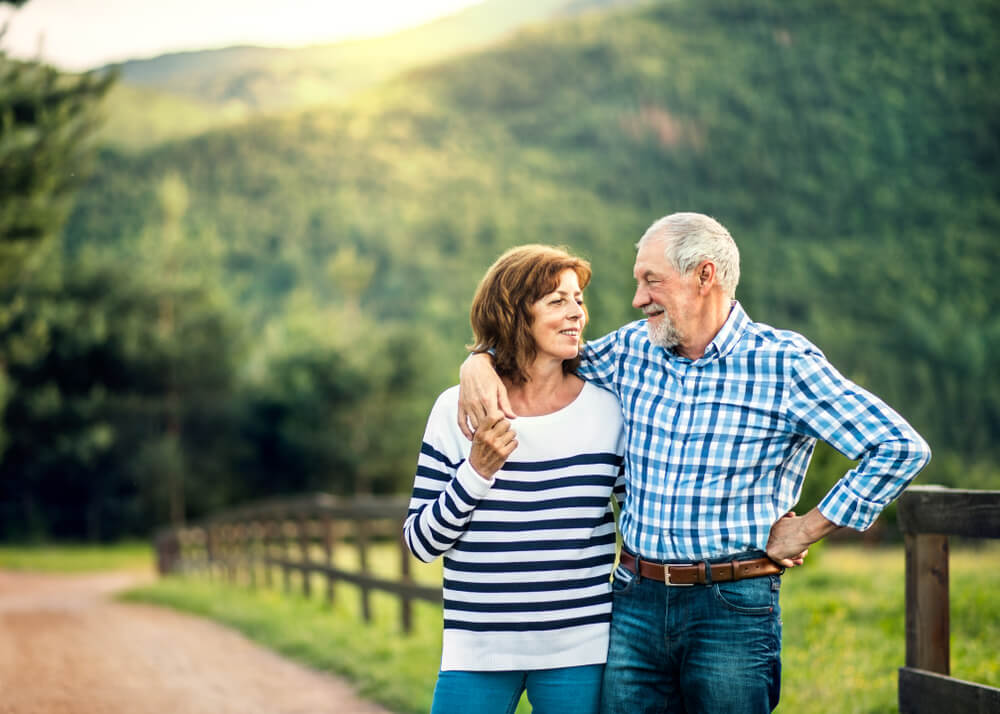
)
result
[(299, 536), (927, 516)]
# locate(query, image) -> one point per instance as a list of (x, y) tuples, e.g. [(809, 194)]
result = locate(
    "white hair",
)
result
[(690, 238)]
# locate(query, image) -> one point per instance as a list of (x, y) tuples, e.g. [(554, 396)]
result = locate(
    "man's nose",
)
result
[(641, 297)]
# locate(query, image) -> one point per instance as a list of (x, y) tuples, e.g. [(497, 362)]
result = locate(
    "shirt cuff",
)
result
[(845, 508), (474, 484)]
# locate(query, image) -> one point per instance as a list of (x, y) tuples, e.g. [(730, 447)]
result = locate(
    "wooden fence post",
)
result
[(270, 537), (232, 549), (286, 568), (210, 549), (219, 540), (303, 522), (246, 545), (168, 552), (927, 617), (239, 546), (260, 549), (405, 602), (328, 541), (361, 538)]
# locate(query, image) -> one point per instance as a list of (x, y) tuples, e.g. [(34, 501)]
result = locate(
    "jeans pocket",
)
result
[(754, 596), (622, 581)]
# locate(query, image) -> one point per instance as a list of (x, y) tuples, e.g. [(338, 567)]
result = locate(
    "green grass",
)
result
[(77, 558), (842, 613), (844, 628)]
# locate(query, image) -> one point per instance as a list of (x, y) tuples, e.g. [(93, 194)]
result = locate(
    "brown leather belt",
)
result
[(695, 573)]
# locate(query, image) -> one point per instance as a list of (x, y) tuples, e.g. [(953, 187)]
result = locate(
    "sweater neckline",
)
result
[(561, 410)]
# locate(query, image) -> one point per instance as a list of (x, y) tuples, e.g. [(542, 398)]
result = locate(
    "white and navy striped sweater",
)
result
[(527, 555)]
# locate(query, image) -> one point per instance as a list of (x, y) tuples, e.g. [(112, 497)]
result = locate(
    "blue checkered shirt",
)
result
[(717, 448)]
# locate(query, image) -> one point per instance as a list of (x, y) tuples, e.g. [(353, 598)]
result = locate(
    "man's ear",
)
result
[(706, 276)]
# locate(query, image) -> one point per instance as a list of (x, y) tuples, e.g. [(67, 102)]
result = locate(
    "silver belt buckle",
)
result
[(666, 575)]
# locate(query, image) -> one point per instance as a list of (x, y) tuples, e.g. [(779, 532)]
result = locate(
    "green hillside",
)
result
[(852, 150), (261, 79), (136, 118)]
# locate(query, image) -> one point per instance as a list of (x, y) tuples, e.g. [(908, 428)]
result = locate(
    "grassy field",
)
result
[(842, 613), (69, 558), (844, 630)]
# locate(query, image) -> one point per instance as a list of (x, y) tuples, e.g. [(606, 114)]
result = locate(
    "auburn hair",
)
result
[(501, 309)]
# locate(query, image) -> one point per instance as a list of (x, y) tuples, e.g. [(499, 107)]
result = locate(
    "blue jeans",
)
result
[(565, 690), (704, 648)]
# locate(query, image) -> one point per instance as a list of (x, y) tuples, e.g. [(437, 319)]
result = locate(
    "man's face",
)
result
[(664, 295)]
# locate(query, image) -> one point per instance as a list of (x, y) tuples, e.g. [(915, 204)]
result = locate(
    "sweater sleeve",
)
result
[(446, 489)]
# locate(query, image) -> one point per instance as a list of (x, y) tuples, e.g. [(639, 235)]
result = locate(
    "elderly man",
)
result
[(721, 414)]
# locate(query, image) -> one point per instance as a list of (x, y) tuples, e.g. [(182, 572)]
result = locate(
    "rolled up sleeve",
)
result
[(823, 404)]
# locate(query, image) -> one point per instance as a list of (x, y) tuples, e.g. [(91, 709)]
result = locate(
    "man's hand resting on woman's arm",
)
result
[(482, 397)]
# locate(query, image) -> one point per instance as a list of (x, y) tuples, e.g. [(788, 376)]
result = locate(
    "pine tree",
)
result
[(46, 120)]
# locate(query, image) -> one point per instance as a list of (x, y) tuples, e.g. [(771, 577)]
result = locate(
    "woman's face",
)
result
[(558, 319)]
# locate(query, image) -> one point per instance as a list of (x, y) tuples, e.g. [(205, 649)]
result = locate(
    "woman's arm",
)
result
[(447, 488)]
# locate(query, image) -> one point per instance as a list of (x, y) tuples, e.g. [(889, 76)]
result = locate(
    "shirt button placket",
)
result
[(681, 426)]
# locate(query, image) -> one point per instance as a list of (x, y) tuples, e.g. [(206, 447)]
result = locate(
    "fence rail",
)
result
[(299, 536), (928, 516)]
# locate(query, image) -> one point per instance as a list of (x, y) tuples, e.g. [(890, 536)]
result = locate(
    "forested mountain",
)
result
[(851, 148), (191, 90), (137, 118)]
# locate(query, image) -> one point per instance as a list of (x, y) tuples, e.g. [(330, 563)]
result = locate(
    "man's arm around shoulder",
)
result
[(481, 394)]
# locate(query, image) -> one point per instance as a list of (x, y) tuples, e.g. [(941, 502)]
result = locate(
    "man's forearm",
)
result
[(816, 526), (481, 393)]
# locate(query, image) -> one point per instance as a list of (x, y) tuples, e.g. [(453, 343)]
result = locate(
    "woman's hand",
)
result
[(492, 443), (481, 395)]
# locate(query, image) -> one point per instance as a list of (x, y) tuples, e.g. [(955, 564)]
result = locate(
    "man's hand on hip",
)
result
[(792, 535)]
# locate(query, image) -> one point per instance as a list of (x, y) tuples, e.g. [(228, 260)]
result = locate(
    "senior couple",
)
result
[(698, 421)]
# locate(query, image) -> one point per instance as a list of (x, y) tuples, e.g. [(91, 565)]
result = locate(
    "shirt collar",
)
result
[(729, 334)]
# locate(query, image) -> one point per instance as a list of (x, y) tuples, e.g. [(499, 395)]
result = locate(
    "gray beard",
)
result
[(665, 334)]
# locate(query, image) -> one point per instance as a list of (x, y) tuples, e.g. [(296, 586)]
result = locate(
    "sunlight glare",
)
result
[(81, 34)]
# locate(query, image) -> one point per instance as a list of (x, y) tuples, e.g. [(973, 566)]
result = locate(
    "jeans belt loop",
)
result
[(707, 571)]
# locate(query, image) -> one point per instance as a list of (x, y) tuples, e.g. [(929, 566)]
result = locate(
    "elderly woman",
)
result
[(524, 519)]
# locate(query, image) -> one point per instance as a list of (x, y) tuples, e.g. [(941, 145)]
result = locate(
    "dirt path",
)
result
[(67, 648)]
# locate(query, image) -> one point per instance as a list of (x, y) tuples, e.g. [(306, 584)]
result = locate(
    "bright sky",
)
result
[(82, 34)]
